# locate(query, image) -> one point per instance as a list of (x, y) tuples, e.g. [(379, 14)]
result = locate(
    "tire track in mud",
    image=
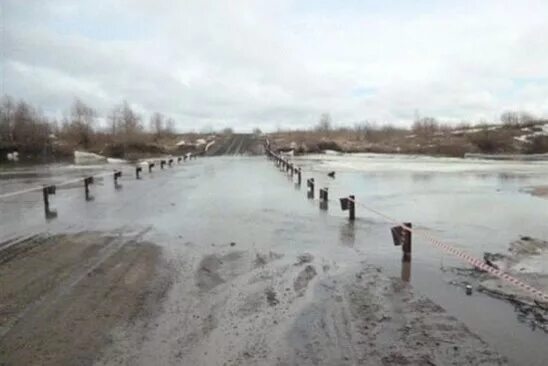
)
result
[(112, 245), (238, 307), (71, 318), (229, 315)]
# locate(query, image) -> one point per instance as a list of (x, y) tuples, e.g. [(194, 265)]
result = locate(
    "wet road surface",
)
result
[(234, 231)]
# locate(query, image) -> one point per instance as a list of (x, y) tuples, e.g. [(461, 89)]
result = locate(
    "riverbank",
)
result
[(452, 142)]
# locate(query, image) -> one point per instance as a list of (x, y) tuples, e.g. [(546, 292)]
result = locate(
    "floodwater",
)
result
[(477, 206)]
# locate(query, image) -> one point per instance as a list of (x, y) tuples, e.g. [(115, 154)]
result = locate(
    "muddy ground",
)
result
[(93, 298), (62, 296)]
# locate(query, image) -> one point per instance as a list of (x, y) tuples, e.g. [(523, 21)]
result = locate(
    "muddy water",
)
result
[(474, 205), (246, 204)]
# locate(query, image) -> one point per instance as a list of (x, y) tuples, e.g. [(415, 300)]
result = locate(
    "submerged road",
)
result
[(237, 144), (220, 261)]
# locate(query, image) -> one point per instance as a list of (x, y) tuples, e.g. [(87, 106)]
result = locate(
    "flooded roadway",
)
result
[(230, 214)]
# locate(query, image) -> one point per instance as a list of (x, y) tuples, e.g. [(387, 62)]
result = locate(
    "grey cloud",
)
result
[(250, 63)]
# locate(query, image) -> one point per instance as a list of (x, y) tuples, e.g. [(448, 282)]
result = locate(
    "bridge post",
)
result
[(401, 235), (349, 204), (117, 175), (406, 247), (323, 198), (352, 208), (323, 194), (310, 187), (87, 182), (46, 191)]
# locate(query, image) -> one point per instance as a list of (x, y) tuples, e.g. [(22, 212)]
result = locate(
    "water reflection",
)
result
[(50, 214), (505, 176), (422, 177), (347, 234), (406, 268)]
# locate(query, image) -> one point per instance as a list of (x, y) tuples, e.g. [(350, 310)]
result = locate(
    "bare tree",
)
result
[(425, 126), (324, 124), (516, 119), (7, 108), (509, 118), (170, 126), (22, 126), (129, 123), (81, 123), (113, 120), (157, 124)]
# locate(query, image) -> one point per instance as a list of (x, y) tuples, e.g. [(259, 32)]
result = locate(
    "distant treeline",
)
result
[(428, 125), (426, 135), (25, 128)]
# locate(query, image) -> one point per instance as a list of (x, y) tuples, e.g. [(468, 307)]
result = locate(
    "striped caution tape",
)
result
[(478, 263)]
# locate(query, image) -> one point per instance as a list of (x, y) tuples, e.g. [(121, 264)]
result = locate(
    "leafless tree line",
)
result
[(25, 127), (422, 126)]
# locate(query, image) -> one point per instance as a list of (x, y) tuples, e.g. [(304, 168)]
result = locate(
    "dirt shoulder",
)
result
[(92, 298), (236, 307), (375, 320), (62, 295)]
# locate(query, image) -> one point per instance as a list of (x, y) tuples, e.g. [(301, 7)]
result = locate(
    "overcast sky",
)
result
[(279, 63)]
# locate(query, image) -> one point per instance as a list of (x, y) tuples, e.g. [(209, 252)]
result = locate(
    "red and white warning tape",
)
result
[(478, 263)]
